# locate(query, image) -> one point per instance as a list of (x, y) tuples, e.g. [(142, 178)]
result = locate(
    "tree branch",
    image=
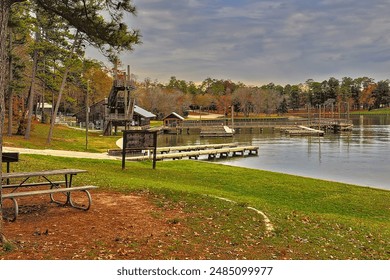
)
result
[(85, 18)]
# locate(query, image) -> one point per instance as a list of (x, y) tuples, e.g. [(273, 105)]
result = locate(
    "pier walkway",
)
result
[(194, 152), (301, 130), (325, 124), (189, 148)]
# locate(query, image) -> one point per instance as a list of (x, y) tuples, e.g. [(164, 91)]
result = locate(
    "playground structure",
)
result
[(119, 109)]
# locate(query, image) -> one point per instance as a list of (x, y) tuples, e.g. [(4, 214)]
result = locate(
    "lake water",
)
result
[(358, 157)]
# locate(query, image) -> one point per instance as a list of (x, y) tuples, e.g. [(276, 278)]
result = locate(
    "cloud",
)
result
[(283, 41)]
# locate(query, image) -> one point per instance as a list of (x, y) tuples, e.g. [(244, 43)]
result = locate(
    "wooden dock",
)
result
[(179, 149), (301, 130), (326, 124), (194, 152), (165, 150), (216, 131)]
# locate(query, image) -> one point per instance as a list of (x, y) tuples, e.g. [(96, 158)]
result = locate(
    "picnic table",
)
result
[(26, 184), (8, 158)]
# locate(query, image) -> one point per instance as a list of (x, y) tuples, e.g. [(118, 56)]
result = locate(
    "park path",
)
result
[(60, 153)]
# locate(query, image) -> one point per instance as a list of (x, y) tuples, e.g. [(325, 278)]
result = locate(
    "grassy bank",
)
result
[(383, 111), (64, 138), (312, 219)]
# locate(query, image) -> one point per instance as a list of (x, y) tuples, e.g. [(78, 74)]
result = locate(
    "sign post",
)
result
[(139, 140)]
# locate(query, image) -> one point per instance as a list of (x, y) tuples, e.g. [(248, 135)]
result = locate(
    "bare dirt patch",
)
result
[(137, 226), (118, 226)]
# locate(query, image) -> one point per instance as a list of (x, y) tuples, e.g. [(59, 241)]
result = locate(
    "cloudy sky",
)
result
[(261, 41)]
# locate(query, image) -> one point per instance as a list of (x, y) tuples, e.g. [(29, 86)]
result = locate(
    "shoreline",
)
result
[(105, 156)]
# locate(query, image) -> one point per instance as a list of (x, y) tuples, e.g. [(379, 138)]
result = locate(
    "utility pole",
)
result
[(86, 116)]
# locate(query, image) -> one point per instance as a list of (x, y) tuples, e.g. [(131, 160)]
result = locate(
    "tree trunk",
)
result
[(55, 112), (4, 14), (31, 96), (23, 117), (10, 92)]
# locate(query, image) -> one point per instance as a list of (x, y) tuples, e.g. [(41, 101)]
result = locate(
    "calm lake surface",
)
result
[(359, 157)]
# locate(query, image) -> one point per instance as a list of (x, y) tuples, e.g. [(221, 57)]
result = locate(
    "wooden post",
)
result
[(232, 116), (115, 69), (319, 117), (200, 115), (124, 150), (154, 149)]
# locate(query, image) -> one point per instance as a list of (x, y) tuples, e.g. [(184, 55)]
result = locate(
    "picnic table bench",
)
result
[(13, 191)]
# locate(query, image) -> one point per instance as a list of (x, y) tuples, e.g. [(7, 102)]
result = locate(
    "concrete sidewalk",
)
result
[(59, 153)]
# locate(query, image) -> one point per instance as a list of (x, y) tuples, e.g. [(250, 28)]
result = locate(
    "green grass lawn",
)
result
[(312, 219), (64, 138)]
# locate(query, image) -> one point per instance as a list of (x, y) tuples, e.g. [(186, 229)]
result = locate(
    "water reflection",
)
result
[(358, 157)]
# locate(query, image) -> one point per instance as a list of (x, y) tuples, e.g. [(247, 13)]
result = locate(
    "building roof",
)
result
[(140, 111), (45, 105), (173, 114)]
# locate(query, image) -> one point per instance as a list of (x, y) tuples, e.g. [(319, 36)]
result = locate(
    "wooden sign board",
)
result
[(10, 157), (139, 140)]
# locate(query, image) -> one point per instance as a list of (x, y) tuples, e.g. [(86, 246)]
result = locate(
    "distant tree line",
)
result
[(221, 95)]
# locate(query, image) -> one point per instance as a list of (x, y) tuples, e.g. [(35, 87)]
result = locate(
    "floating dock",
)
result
[(301, 130), (194, 152), (179, 149), (165, 150), (216, 131)]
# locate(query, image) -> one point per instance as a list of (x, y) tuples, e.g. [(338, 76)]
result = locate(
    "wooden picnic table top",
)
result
[(42, 173)]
